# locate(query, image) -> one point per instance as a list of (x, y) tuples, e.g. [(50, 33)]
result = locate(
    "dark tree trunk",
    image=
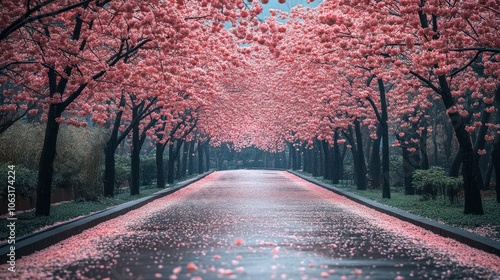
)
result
[(160, 166), (358, 157), (109, 169), (200, 157), (48, 153), (207, 155), (448, 146), (375, 166), (109, 153), (360, 169), (184, 160), (307, 161), (472, 195), (191, 158), (173, 157), (327, 175), (487, 176), (423, 149), (135, 167), (479, 145), (46, 163), (178, 160), (293, 153), (435, 150), (170, 164), (315, 158), (495, 153), (455, 165), (495, 158), (408, 168), (386, 186), (321, 159), (337, 161)]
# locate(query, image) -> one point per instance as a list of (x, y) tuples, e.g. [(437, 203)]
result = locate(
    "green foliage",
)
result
[(396, 174), (77, 163), (434, 181), (25, 180), (122, 170), (148, 170)]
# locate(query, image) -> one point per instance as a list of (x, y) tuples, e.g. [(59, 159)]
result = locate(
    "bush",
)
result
[(396, 174), (25, 180), (434, 181), (148, 170), (122, 170), (77, 163)]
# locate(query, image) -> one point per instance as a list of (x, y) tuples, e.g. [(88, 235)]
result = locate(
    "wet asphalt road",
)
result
[(262, 225)]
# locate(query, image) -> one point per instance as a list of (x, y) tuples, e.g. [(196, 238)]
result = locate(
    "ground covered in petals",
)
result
[(256, 225)]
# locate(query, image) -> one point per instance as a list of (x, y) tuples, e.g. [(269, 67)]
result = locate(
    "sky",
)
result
[(274, 4)]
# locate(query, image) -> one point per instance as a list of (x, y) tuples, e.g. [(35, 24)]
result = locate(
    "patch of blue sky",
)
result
[(286, 7)]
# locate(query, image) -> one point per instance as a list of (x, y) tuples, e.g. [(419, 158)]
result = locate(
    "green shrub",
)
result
[(77, 163), (396, 174), (25, 180), (434, 181), (148, 170), (122, 170)]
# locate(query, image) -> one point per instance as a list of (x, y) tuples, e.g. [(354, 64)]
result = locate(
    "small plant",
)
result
[(434, 181)]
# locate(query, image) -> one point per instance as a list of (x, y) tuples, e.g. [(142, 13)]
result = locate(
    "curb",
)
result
[(460, 235), (40, 240)]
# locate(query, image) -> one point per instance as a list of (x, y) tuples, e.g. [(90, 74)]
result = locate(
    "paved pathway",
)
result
[(257, 225)]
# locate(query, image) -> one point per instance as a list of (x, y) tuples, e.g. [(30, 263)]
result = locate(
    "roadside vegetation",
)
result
[(440, 208)]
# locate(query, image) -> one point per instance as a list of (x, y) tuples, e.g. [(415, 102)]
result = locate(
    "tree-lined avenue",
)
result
[(255, 224)]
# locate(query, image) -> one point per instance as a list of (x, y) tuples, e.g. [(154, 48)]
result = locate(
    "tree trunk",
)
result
[(184, 160), (386, 186), (135, 166), (448, 146), (472, 195), (495, 157), (408, 169), (191, 158), (46, 163), (435, 150), (200, 157), (109, 153), (321, 159), (160, 166), (455, 165), (375, 167), (109, 168), (173, 158), (327, 174), (360, 169), (170, 164), (489, 172), (207, 155), (293, 153), (423, 149), (315, 158), (337, 162), (179, 163)]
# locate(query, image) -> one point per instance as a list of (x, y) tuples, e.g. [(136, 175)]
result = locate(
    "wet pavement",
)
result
[(252, 224)]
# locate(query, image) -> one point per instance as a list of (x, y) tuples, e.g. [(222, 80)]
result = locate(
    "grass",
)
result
[(28, 223), (487, 225)]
